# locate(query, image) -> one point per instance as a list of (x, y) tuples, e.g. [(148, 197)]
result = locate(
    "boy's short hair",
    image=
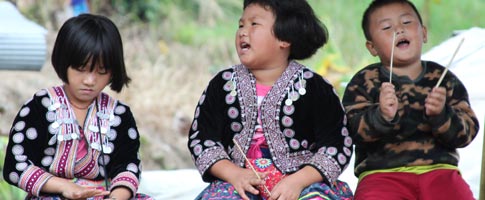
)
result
[(296, 23), (377, 4), (89, 40)]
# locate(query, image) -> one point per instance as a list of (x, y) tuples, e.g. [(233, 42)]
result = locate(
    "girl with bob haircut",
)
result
[(270, 128), (74, 141), (86, 41)]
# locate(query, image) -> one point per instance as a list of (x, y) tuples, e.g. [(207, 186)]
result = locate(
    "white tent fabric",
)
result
[(468, 65), (179, 184)]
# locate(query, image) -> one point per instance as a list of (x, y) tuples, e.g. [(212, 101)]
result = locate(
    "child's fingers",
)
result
[(387, 84), (249, 188), (263, 174), (241, 191)]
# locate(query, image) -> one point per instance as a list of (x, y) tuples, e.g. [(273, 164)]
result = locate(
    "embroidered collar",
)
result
[(64, 126)]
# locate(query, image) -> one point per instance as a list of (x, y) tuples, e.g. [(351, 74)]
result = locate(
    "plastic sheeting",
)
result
[(180, 184)]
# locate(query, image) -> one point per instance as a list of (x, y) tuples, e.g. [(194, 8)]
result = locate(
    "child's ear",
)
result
[(371, 48), (284, 44), (425, 34)]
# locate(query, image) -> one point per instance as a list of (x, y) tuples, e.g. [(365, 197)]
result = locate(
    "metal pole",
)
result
[(481, 192)]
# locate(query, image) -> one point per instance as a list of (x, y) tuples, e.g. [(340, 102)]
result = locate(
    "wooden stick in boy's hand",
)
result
[(392, 56), (250, 165), (447, 66)]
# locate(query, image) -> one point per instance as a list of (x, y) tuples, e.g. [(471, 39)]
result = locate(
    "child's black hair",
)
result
[(295, 23), (376, 4), (89, 40)]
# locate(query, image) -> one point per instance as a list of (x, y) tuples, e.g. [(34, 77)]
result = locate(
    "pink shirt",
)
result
[(258, 140), (82, 148)]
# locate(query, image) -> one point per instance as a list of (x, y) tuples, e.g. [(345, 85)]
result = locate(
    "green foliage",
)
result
[(344, 25), (185, 34), (7, 191), (343, 21)]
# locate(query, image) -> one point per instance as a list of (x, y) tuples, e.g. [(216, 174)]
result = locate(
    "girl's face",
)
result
[(256, 44), (85, 85), (410, 34)]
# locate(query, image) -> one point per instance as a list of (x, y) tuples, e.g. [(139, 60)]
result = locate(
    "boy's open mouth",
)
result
[(402, 42), (245, 46)]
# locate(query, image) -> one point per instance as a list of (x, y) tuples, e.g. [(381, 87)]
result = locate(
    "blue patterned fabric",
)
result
[(219, 190)]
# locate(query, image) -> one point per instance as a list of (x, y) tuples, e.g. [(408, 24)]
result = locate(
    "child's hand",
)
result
[(244, 180), (74, 191), (435, 102), (288, 188), (388, 101)]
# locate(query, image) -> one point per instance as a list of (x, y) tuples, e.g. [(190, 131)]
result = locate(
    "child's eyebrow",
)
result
[(389, 19), (250, 18), (406, 14), (383, 20)]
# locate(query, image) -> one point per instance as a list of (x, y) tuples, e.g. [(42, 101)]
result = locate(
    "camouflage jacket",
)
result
[(412, 138)]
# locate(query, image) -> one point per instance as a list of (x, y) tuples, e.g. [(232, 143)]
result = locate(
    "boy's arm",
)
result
[(456, 126), (361, 102)]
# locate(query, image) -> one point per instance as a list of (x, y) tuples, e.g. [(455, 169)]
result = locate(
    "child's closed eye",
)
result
[(102, 70), (80, 69)]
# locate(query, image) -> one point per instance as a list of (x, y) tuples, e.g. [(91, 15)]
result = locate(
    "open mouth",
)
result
[(402, 42), (245, 46)]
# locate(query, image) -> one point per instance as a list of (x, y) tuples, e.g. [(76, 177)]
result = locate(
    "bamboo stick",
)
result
[(447, 66), (250, 165)]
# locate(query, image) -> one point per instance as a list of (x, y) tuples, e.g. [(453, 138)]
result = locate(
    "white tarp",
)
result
[(179, 184)]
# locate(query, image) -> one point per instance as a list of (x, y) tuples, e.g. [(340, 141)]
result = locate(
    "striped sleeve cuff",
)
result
[(126, 179), (32, 180)]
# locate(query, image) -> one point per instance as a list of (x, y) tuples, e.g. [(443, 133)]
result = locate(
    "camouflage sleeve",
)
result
[(361, 102), (457, 125)]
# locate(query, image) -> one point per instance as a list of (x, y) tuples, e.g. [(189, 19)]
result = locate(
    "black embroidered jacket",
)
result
[(301, 127)]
